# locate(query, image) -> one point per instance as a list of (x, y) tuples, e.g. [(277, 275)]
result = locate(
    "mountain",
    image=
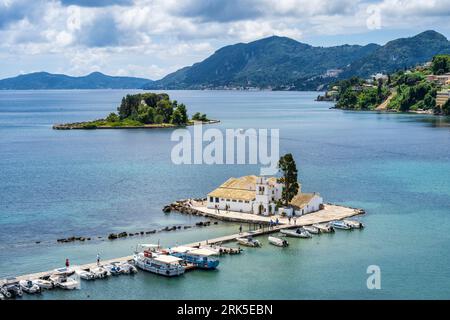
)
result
[(267, 62), (283, 63), (400, 54), (95, 80)]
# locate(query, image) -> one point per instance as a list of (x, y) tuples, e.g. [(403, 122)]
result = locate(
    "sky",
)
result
[(151, 38)]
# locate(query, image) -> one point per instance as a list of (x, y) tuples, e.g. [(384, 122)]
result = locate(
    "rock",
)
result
[(122, 235), (215, 222), (37, 242), (187, 227), (81, 239), (199, 224), (61, 240), (88, 239), (179, 227), (152, 231), (167, 209), (112, 236)]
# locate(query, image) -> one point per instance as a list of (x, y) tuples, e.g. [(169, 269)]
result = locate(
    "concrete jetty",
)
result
[(328, 213)]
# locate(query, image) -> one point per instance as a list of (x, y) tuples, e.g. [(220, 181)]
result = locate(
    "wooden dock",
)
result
[(329, 213)]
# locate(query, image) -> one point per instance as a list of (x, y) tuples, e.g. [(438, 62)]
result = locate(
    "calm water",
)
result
[(89, 183)]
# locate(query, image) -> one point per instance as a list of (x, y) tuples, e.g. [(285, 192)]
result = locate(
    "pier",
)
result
[(328, 213)]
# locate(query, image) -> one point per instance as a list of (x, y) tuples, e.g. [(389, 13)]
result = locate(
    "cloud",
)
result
[(96, 3), (151, 37)]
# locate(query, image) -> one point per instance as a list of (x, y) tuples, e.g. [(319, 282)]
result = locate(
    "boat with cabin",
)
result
[(297, 233), (278, 242), (151, 260)]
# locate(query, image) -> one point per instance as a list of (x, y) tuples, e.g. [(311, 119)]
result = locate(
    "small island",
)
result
[(143, 110)]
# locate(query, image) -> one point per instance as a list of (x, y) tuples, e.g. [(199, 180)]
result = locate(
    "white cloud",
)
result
[(156, 36)]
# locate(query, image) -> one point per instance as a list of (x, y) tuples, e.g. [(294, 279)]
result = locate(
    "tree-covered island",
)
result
[(143, 110)]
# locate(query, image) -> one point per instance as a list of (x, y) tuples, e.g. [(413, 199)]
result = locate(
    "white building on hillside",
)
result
[(258, 195)]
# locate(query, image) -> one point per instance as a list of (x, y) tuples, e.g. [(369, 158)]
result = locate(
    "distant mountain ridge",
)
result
[(284, 63), (95, 80)]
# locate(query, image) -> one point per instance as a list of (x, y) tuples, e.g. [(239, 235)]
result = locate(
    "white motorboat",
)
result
[(66, 271), (113, 268), (127, 268), (152, 261), (29, 287), (340, 225), (84, 274), (64, 282), (311, 229), (99, 272), (5, 293), (354, 224), (324, 227), (249, 242), (43, 284), (278, 242), (297, 233)]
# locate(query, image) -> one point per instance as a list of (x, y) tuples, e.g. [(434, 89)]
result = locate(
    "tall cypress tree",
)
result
[(289, 169)]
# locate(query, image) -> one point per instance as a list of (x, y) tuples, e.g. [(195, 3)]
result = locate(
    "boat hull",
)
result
[(167, 272), (293, 234)]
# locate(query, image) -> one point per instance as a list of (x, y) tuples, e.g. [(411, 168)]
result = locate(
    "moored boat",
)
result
[(64, 282), (29, 287), (249, 242), (99, 272), (43, 283), (311, 229), (84, 274), (201, 258), (337, 224), (152, 261), (297, 233), (126, 268), (324, 227), (278, 242), (13, 288), (354, 224)]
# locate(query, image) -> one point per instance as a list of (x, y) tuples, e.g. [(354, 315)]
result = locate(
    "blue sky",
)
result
[(151, 38)]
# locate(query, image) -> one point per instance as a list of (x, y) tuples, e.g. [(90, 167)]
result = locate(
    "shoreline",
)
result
[(79, 126)]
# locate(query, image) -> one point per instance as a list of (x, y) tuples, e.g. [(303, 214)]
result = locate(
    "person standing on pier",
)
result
[(295, 220), (98, 259), (67, 263), (240, 229), (289, 219)]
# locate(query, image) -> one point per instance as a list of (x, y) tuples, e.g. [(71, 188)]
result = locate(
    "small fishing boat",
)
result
[(311, 229), (297, 233), (99, 272), (278, 242), (337, 224), (354, 224), (324, 227), (249, 242), (29, 287), (43, 283), (64, 282), (84, 274), (152, 261)]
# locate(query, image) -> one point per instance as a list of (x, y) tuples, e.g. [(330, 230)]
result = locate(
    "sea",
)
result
[(90, 183)]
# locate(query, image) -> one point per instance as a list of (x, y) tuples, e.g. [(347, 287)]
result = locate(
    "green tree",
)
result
[(165, 109), (177, 118), (112, 117), (446, 108), (441, 64), (289, 169)]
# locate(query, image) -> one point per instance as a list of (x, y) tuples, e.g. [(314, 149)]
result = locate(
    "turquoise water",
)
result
[(89, 183)]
